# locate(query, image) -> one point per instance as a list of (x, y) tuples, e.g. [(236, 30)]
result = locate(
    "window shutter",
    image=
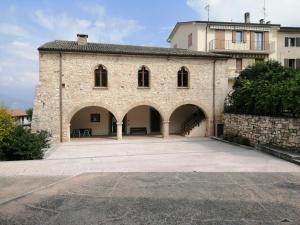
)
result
[(252, 43), (286, 41), (233, 36), (297, 64), (220, 39), (245, 37), (266, 41), (286, 62), (298, 41)]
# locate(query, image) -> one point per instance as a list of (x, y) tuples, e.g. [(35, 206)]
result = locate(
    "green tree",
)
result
[(29, 111), (266, 88)]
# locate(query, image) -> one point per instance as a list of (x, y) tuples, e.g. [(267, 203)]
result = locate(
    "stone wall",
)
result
[(284, 132), (122, 93)]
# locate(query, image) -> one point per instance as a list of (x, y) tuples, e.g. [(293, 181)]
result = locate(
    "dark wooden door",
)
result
[(154, 120)]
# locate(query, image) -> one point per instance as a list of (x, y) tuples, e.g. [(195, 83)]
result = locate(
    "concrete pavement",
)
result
[(148, 155)]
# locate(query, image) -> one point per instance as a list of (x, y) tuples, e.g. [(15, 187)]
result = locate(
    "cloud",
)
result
[(19, 41), (99, 26), (12, 30), (286, 13)]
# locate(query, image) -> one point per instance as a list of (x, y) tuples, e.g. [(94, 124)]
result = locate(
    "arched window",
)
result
[(100, 76), (183, 77), (143, 77)]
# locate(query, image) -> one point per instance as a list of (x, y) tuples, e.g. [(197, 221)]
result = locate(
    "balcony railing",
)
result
[(229, 46)]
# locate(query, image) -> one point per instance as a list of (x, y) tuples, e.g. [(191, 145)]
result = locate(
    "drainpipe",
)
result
[(60, 98), (206, 37), (214, 97)]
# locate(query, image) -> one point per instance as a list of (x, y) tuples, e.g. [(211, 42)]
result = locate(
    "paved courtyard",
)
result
[(184, 181), (149, 154)]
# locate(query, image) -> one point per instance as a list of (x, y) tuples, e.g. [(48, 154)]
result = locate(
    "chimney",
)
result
[(261, 21), (82, 39), (247, 17)]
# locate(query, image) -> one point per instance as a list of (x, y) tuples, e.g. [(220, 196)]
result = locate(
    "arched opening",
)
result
[(93, 121), (142, 120), (188, 120)]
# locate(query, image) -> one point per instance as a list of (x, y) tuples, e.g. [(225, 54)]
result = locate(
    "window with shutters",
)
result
[(143, 77), (190, 40), (100, 76), (183, 77), (238, 36), (292, 42)]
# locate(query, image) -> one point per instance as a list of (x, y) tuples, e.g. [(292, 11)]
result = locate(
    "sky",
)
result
[(27, 24)]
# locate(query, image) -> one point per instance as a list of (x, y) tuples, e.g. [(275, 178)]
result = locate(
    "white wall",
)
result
[(287, 52), (180, 37), (82, 120)]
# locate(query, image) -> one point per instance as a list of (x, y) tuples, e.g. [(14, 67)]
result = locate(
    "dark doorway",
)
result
[(155, 120), (112, 124)]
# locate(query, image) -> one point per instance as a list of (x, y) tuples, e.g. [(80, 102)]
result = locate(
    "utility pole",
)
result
[(265, 10), (207, 8)]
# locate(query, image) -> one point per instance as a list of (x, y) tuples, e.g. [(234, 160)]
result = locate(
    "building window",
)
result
[(100, 76), (239, 37), (190, 40), (183, 77), (95, 118), (143, 77), (292, 42), (239, 65), (258, 41)]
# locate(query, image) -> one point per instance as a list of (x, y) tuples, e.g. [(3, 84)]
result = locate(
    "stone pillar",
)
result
[(119, 130), (69, 133), (166, 125)]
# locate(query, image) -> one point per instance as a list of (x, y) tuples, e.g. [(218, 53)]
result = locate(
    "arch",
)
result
[(90, 104), (189, 118), (199, 105), (144, 103)]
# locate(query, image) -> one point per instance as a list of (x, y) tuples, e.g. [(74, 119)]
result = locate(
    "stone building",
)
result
[(93, 89)]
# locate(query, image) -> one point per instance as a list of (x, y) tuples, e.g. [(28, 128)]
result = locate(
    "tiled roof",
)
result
[(72, 46), (16, 112)]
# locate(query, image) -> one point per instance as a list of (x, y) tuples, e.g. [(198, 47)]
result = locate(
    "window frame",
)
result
[(143, 69), (236, 37), (181, 77), (101, 77)]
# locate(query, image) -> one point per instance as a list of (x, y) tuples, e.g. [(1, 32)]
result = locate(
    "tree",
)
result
[(266, 88), (7, 124), (29, 112)]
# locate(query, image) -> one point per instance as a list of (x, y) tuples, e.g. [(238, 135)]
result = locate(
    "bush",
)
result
[(24, 145), (236, 139), (266, 89)]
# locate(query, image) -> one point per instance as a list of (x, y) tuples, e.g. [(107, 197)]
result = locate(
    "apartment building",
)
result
[(245, 42)]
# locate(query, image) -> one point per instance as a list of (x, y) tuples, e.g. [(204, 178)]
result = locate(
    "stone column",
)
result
[(69, 133), (165, 128), (119, 130)]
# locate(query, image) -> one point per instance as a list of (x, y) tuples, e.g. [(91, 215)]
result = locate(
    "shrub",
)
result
[(266, 89), (24, 145), (236, 139)]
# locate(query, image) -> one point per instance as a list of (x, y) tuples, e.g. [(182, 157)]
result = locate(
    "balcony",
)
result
[(241, 47)]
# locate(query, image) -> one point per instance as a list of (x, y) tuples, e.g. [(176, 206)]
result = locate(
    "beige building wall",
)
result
[(287, 52), (81, 120), (139, 117), (181, 38), (122, 93)]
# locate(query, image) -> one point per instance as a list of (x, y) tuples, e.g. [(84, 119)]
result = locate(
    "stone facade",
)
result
[(122, 93), (284, 132)]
